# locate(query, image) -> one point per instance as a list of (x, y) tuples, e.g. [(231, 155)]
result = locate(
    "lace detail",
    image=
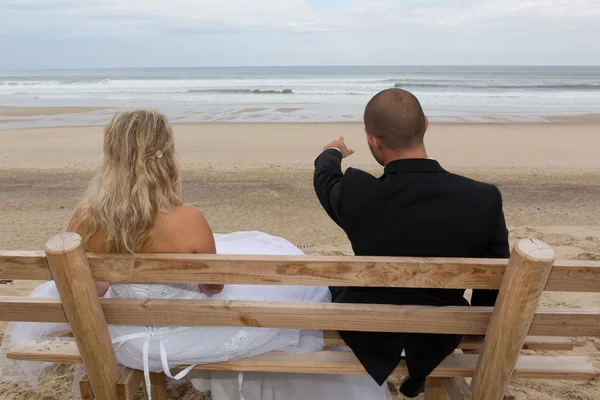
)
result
[(232, 345), (152, 291)]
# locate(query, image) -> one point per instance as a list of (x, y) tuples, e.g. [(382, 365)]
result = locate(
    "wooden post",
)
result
[(522, 286), (73, 276), (457, 388), (129, 383), (158, 386), (84, 388), (434, 389)]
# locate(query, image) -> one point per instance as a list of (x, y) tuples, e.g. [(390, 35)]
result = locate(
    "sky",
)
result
[(41, 34)]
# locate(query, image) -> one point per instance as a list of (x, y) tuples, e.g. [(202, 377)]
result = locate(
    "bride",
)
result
[(134, 204)]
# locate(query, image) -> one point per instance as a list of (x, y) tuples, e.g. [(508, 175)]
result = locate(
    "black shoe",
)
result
[(411, 388)]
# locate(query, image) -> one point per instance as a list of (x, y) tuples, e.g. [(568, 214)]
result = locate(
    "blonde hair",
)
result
[(139, 179)]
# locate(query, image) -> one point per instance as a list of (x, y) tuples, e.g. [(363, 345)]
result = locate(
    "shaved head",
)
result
[(396, 118)]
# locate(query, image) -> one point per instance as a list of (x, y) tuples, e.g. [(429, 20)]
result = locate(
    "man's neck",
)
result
[(404, 155)]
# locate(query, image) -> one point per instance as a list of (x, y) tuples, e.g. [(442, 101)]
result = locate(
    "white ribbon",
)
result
[(119, 341)]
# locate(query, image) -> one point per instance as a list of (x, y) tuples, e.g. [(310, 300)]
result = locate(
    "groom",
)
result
[(416, 208)]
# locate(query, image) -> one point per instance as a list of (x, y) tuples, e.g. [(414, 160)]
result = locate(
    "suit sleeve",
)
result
[(327, 182), (497, 248)]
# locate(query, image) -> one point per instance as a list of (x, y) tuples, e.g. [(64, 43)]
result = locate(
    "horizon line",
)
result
[(314, 66)]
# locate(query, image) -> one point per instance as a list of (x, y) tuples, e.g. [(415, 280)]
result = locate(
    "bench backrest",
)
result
[(521, 281)]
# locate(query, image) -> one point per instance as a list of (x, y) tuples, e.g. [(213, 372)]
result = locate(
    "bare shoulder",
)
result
[(188, 215), (77, 222), (186, 229)]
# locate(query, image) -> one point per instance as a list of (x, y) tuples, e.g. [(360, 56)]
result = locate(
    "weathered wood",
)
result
[(333, 362), (329, 316), (460, 366), (324, 316), (457, 388), (572, 276), (333, 338), (158, 386), (531, 343), (24, 265), (73, 277), (434, 389), (60, 351), (64, 352), (508, 394), (526, 276), (129, 382), (85, 389), (31, 309)]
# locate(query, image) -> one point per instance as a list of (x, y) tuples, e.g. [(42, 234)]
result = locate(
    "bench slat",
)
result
[(333, 338), (320, 316), (462, 273), (334, 362), (531, 343), (24, 265), (59, 351)]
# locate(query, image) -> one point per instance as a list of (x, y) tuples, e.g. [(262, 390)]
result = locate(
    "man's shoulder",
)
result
[(358, 175), (359, 184), (470, 184)]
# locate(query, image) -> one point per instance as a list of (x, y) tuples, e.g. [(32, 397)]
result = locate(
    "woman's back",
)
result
[(180, 230)]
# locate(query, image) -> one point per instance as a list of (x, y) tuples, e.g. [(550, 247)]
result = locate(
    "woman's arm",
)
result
[(203, 242), (76, 224)]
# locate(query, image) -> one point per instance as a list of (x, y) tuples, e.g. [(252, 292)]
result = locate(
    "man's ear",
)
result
[(373, 141), (370, 139), (426, 123)]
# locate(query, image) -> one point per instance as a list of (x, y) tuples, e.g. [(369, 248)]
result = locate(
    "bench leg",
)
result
[(85, 388), (434, 389), (158, 386), (457, 388), (129, 383), (524, 280)]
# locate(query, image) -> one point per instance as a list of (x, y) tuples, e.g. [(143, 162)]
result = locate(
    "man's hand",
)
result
[(341, 146)]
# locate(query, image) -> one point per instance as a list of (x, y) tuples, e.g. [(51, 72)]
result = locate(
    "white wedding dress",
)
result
[(159, 349)]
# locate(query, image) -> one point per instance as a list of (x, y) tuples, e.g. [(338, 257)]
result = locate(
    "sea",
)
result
[(302, 94)]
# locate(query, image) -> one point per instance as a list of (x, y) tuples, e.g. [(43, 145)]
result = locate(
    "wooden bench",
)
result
[(515, 323)]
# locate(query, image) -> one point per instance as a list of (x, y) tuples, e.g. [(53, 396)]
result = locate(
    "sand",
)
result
[(487, 147), (258, 177), (8, 111)]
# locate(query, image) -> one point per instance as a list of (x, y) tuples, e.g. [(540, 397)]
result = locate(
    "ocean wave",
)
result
[(74, 81), (500, 87), (242, 91)]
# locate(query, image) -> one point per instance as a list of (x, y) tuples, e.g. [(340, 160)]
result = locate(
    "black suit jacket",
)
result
[(415, 209)]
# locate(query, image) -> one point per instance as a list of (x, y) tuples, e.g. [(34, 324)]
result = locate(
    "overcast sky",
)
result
[(164, 33)]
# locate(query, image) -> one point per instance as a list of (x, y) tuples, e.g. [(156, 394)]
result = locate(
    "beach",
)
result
[(258, 176), (467, 94)]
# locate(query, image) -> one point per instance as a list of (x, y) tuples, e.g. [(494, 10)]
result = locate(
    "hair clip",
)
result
[(159, 154)]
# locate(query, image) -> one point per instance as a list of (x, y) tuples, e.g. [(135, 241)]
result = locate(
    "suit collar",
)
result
[(414, 165)]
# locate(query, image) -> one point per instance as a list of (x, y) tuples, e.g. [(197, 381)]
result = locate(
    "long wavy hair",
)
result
[(139, 179)]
